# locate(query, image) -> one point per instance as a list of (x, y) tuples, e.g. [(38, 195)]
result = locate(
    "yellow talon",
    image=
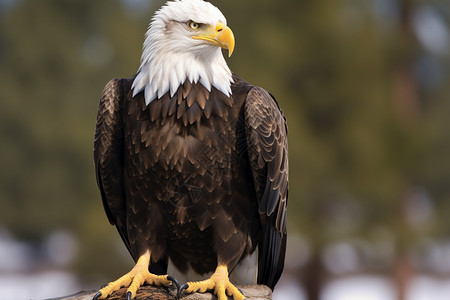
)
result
[(218, 282), (135, 279)]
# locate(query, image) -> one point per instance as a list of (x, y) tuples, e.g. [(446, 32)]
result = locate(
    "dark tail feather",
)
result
[(272, 251)]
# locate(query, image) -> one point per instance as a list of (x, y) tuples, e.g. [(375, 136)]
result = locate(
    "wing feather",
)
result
[(108, 156), (266, 133)]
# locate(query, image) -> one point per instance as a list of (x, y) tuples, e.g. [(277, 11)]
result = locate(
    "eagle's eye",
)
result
[(193, 25)]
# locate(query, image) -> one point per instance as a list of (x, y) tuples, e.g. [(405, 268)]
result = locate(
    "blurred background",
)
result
[(365, 87)]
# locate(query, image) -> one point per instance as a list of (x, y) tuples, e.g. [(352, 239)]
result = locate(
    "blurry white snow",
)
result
[(340, 258), (15, 255), (28, 272), (359, 288), (366, 288), (41, 285), (61, 248), (426, 288), (288, 289), (432, 30)]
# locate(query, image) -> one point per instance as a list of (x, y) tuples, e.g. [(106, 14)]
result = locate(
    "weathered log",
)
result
[(251, 292)]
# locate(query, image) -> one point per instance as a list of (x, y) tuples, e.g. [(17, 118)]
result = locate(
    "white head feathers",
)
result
[(171, 56)]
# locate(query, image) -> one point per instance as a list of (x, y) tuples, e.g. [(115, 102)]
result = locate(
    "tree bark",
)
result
[(312, 277), (408, 106)]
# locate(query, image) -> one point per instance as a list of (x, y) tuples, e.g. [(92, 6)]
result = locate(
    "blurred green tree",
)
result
[(56, 57)]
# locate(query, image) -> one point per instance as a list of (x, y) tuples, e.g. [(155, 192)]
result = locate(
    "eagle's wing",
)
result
[(266, 132), (108, 156)]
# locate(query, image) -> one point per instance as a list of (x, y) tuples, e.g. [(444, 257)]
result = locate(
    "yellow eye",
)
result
[(194, 26)]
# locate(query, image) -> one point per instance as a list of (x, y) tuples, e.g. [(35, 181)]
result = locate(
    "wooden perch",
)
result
[(251, 292)]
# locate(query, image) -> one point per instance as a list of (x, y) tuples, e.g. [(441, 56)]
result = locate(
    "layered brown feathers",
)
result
[(198, 178)]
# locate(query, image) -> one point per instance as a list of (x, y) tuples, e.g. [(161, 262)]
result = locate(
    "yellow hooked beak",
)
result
[(220, 36)]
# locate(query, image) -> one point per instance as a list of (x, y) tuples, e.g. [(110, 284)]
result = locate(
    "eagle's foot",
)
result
[(134, 279), (218, 282)]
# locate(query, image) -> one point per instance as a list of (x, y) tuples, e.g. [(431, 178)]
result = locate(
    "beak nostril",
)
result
[(219, 30)]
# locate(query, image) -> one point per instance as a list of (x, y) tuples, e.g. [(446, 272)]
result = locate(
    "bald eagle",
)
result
[(192, 162)]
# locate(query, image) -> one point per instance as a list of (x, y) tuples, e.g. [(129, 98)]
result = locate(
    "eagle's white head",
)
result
[(184, 42)]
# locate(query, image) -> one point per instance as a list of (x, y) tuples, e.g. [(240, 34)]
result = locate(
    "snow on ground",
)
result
[(43, 285), (367, 288)]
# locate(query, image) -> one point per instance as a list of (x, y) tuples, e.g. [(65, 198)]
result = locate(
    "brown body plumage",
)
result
[(199, 178)]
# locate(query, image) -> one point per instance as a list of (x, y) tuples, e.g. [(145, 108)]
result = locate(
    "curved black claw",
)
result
[(171, 278), (129, 294), (181, 289), (97, 296)]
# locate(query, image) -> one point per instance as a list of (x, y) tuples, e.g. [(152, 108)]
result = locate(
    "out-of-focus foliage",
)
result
[(367, 126), (56, 56), (356, 145)]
